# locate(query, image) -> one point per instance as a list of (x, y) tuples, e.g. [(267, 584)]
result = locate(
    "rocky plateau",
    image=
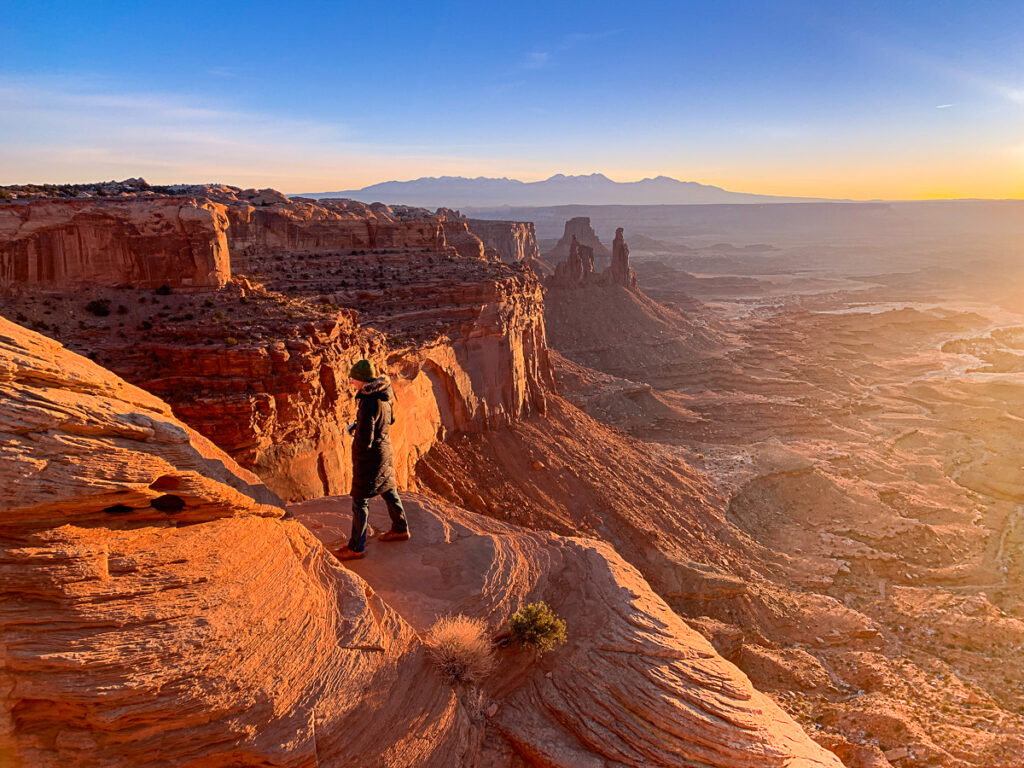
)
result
[(751, 499), (161, 609)]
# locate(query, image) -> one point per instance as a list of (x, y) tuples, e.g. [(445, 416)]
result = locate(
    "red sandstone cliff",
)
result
[(261, 368), (467, 244), (159, 611), (64, 244), (576, 269), (514, 241), (329, 226), (578, 229)]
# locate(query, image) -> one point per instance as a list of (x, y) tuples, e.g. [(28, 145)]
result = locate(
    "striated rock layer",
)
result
[(634, 686), (157, 611), (620, 272), (65, 244), (514, 241), (326, 226), (261, 368), (578, 229)]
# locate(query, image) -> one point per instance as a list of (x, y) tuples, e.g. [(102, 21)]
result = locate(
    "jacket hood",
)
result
[(380, 386)]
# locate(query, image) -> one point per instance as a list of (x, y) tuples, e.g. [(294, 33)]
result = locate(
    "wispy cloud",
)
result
[(541, 57), (944, 106), (227, 72), (945, 69), (1016, 95), (536, 59), (75, 130)]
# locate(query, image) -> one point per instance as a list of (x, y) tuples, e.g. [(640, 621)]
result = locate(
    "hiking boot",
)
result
[(395, 536), (349, 554)]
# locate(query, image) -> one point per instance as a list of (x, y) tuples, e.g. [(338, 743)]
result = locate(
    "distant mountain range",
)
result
[(595, 189)]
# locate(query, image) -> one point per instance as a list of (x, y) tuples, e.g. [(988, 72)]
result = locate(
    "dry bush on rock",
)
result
[(460, 649)]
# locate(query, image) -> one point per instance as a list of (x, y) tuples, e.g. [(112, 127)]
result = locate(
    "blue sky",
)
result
[(850, 99)]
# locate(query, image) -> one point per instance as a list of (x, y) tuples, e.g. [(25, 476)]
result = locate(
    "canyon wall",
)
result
[(261, 367), (458, 236), (514, 241), (328, 226), (279, 404), (65, 244), (158, 610)]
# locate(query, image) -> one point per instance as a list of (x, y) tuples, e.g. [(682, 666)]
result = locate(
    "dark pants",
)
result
[(360, 511)]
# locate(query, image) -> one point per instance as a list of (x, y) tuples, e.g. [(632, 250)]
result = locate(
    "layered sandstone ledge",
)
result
[(159, 611), (260, 366), (514, 241), (62, 244), (634, 685)]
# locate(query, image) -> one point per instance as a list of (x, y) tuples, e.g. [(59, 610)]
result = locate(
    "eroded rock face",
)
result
[(578, 229), (620, 272), (215, 633), (514, 241), (576, 269), (458, 236), (624, 332), (65, 244), (278, 405), (261, 368), (324, 227), (634, 686), (202, 632)]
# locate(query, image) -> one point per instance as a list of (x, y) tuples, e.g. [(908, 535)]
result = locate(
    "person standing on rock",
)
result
[(373, 469)]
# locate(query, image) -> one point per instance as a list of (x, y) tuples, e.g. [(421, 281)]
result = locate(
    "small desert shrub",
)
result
[(536, 626), (231, 341), (460, 649), (98, 307), (163, 290)]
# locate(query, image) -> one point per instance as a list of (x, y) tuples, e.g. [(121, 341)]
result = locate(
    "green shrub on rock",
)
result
[(536, 626)]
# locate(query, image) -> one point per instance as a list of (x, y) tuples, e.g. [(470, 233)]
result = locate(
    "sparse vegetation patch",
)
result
[(536, 626), (460, 649)]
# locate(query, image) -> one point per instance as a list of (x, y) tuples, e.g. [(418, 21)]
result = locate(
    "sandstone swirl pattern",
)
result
[(213, 636), (158, 610), (634, 686)]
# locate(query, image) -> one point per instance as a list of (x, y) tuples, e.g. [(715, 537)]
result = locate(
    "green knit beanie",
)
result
[(363, 371)]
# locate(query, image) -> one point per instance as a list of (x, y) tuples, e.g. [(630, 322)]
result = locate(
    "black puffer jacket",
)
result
[(373, 467)]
